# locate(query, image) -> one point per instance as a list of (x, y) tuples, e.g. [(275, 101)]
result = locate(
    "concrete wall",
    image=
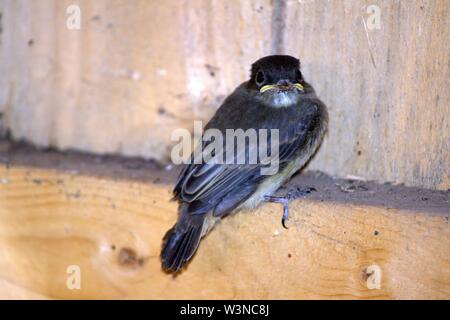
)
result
[(136, 70)]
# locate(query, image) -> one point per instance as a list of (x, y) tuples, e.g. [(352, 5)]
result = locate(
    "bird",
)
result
[(276, 96)]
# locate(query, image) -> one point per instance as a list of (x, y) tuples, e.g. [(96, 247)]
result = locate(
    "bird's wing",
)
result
[(223, 187), (204, 185)]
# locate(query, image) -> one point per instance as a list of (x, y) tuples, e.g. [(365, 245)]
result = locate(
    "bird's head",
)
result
[(277, 80)]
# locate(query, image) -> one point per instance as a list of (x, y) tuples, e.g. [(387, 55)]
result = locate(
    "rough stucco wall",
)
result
[(139, 69)]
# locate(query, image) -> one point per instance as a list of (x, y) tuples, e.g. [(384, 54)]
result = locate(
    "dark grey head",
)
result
[(277, 79)]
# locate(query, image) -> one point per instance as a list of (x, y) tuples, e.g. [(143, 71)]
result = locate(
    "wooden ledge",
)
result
[(111, 225)]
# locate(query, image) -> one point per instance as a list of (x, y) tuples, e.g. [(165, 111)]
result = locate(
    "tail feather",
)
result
[(181, 241)]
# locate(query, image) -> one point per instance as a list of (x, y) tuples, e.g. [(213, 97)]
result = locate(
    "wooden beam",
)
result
[(112, 228)]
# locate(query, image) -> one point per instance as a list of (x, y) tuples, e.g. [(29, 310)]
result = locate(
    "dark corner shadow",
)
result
[(14, 154), (370, 193)]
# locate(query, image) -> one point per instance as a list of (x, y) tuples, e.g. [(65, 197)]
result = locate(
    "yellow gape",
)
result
[(267, 87), (299, 86), (273, 86)]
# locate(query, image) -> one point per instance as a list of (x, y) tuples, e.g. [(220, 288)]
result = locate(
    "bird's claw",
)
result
[(285, 201)]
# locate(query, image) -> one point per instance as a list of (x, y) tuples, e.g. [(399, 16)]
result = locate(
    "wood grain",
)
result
[(387, 89), (112, 230), (137, 70)]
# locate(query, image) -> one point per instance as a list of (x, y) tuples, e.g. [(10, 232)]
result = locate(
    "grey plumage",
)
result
[(208, 192)]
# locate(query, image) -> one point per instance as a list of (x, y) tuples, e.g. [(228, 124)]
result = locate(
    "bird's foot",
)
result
[(285, 201)]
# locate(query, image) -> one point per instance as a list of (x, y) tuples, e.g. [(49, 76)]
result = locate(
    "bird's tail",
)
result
[(182, 240)]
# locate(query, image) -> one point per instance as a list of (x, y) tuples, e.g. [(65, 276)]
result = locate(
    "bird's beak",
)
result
[(282, 87), (299, 87), (267, 87)]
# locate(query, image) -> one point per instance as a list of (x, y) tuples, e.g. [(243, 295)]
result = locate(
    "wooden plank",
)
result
[(112, 229), (136, 70), (386, 89)]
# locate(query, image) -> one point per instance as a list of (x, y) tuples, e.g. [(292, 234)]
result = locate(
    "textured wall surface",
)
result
[(136, 70)]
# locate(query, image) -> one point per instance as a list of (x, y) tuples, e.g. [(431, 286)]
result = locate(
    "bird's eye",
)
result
[(260, 78), (298, 76)]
